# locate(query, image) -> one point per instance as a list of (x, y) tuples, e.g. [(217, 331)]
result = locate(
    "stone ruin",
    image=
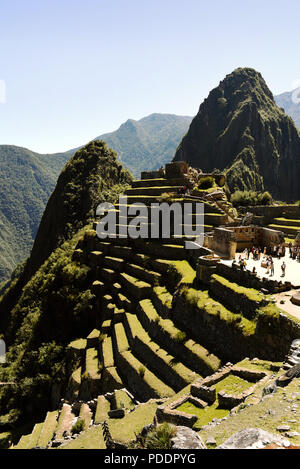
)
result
[(203, 394)]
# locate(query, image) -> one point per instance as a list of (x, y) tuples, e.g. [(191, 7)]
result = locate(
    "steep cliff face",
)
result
[(240, 129)]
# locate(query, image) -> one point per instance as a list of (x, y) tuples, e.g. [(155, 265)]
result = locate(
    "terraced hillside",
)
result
[(154, 329)]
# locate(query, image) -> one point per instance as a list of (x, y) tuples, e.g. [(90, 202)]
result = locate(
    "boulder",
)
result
[(253, 438), (186, 438)]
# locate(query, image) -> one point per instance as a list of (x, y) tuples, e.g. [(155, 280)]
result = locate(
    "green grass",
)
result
[(121, 338), (185, 270), (137, 330), (250, 293), (202, 301), (232, 384), (122, 400), (103, 407), (107, 352), (48, 428), (160, 388), (131, 424), (92, 363), (204, 415), (267, 414)]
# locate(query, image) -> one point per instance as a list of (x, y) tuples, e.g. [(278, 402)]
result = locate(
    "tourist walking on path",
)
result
[(272, 268), (283, 267)]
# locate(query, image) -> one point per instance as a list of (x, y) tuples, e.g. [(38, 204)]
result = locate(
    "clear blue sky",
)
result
[(74, 69)]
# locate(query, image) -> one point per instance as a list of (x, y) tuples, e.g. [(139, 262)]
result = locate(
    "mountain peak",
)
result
[(240, 129)]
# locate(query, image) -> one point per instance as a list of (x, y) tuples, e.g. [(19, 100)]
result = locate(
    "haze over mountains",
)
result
[(291, 107)]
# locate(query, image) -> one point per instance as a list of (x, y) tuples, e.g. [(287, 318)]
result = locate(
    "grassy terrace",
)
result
[(107, 353), (122, 344), (158, 388), (202, 301), (48, 429), (103, 407), (174, 338), (132, 424), (92, 363), (162, 362), (137, 288), (250, 293), (287, 221), (286, 228)]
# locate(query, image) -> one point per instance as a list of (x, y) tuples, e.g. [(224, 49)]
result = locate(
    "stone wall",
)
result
[(271, 340), (245, 278), (222, 242), (271, 212), (236, 302)]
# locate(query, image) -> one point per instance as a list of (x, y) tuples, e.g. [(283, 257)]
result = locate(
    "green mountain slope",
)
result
[(28, 178), (240, 129), (50, 302), (149, 143), (292, 108)]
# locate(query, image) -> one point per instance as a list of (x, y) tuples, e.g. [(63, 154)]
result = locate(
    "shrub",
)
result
[(250, 198), (78, 426), (180, 337), (206, 183), (142, 371), (160, 437)]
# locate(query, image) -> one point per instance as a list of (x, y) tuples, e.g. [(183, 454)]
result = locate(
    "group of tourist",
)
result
[(294, 252), (267, 260)]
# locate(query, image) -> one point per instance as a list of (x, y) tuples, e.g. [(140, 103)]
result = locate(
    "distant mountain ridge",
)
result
[(28, 178), (292, 108)]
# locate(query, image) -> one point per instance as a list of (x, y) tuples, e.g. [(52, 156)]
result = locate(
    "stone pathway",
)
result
[(292, 269), (287, 306)]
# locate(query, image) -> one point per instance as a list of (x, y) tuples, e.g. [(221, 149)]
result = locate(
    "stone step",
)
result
[(108, 276), (35, 434), (138, 379), (86, 415), (114, 263), (66, 420), (158, 182), (74, 384), (98, 288), (122, 400), (119, 339), (161, 251), (91, 376), (23, 442), (162, 301), (106, 326), (287, 222), (156, 359), (111, 380), (95, 258), (173, 340), (290, 230), (123, 302), (136, 289), (93, 339), (103, 407), (153, 191), (48, 429), (151, 277)]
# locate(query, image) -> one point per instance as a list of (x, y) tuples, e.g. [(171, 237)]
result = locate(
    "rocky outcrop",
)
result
[(186, 438), (240, 129), (253, 438)]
